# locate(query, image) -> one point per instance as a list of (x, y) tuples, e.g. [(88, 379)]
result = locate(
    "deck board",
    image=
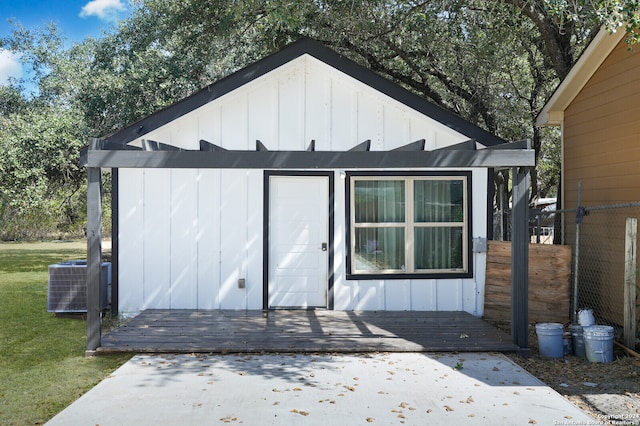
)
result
[(219, 331)]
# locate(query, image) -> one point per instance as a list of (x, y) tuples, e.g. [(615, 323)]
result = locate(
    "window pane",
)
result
[(379, 248), (379, 201), (438, 200), (438, 248)]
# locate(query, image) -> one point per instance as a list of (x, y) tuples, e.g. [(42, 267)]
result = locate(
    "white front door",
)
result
[(298, 241)]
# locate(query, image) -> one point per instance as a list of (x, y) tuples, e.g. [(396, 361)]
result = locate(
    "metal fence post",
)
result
[(576, 261)]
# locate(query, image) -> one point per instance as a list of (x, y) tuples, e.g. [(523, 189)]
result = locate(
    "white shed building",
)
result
[(302, 181)]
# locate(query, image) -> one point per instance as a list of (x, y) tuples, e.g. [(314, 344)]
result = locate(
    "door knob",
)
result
[(324, 246)]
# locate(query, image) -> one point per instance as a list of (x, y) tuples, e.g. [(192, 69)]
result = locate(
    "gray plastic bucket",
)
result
[(566, 344), (577, 338), (550, 339), (598, 343)]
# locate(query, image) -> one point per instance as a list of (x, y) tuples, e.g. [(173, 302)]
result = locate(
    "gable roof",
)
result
[(585, 67), (287, 54)]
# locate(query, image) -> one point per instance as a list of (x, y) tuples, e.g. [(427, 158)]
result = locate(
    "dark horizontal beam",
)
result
[(309, 159)]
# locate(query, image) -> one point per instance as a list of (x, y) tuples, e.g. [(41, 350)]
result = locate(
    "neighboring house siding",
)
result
[(602, 134), (601, 146)]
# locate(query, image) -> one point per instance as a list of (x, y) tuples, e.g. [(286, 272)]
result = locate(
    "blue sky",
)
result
[(76, 19)]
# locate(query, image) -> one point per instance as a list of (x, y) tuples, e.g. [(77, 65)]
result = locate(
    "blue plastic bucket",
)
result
[(598, 343), (550, 339), (577, 338)]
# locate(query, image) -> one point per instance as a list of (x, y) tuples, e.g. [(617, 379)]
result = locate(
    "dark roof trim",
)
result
[(310, 160), (208, 146), (287, 54), (523, 144), (413, 146), (469, 145), (149, 145), (364, 146)]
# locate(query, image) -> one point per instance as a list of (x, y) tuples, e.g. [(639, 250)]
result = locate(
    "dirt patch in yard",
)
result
[(610, 392)]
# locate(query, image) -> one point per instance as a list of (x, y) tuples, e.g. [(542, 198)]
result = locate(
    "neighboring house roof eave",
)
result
[(587, 64), (287, 54)]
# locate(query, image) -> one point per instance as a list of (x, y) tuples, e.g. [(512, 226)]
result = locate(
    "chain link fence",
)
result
[(598, 260)]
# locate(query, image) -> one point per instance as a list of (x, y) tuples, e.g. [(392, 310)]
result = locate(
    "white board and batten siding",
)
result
[(188, 235)]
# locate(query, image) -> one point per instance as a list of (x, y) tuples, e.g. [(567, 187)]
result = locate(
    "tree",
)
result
[(40, 140)]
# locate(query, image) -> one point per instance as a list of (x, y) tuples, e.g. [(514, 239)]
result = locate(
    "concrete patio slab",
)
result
[(335, 389)]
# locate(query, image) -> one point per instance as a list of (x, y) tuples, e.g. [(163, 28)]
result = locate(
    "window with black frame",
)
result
[(408, 225)]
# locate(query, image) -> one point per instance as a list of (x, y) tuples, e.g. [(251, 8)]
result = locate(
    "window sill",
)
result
[(439, 275)]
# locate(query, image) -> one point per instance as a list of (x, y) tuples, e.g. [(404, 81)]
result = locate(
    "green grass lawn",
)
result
[(42, 364)]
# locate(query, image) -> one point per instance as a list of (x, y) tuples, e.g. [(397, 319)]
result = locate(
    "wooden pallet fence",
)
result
[(549, 282)]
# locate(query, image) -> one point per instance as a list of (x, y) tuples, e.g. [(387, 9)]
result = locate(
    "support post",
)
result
[(115, 245), (94, 254), (630, 261), (520, 261)]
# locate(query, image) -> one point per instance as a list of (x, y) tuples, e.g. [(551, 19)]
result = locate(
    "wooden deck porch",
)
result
[(302, 331)]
